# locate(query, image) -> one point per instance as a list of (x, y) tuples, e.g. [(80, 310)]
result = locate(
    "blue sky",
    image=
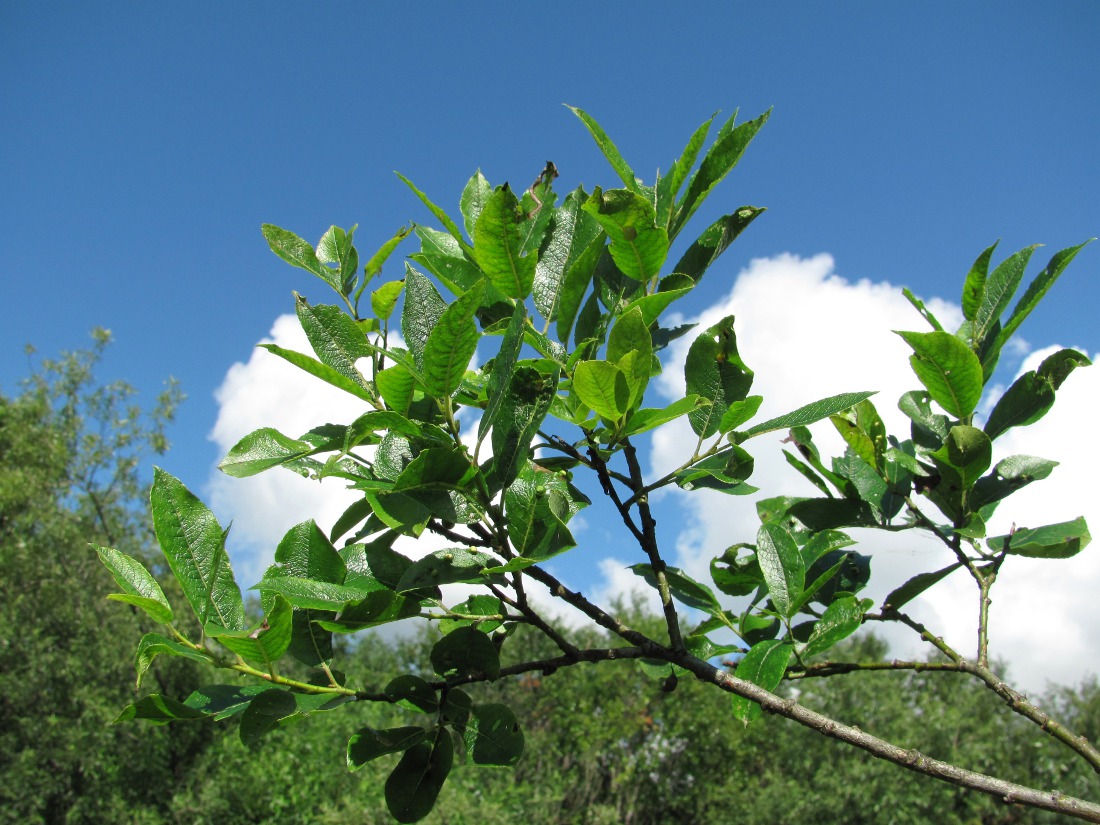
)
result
[(144, 144)]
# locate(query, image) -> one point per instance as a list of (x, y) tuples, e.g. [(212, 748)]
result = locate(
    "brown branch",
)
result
[(1015, 700), (649, 544), (823, 669), (913, 760)]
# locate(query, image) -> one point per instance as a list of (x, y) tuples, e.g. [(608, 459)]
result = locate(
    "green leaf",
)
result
[(781, 565), (421, 312), (481, 606), (194, 544), (610, 151), (638, 246), (715, 372), (862, 428), (299, 253), (139, 587), (384, 299), (265, 713), (440, 215), (223, 701), (929, 429), (159, 710), (466, 652), (722, 157), (260, 450), (493, 736), (1037, 289), (974, 288), (154, 644), (322, 371), (335, 337), (474, 197), (498, 245), (314, 595), (715, 240), (841, 619), (968, 451), (444, 567), (642, 420), (949, 370), (503, 366), (575, 283), (412, 693), (1010, 475), (307, 553), (1000, 286), (537, 505), (367, 743), (764, 666), (374, 265), (810, 413), (523, 409), (396, 385), (734, 574), (901, 596), (739, 412), (414, 785), (1032, 394), (266, 643), (683, 588), (571, 233), (1054, 541), (668, 187), (602, 387), (451, 344), (924, 311), (447, 259)]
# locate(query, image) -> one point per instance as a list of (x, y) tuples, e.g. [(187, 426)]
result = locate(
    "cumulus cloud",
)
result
[(809, 333), (269, 392)]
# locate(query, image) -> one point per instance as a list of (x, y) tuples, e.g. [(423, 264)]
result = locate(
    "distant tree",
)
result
[(71, 450), (571, 303)]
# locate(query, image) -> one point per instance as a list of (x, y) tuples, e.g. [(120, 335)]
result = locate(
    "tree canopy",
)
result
[(568, 305)]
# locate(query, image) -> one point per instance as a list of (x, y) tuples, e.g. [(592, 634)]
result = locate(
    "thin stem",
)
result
[(912, 760), (649, 544), (1011, 697)]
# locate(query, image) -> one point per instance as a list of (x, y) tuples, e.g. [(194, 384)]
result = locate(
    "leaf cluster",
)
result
[(567, 304)]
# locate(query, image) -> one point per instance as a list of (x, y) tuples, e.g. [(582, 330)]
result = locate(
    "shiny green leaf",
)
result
[(421, 312), (715, 372), (367, 743), (493, 736), (498, 245), (451, 344), (384, 299), (1054, 541), (638, 246), (414, 785), (138, 585), (781, 565), (322, 371), (466, 652), (194, 544), (948, 369), (299, 253), (810, 413), (764, 666), (841, 619)]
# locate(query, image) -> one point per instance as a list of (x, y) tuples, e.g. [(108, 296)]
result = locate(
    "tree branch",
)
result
[(913, 760)]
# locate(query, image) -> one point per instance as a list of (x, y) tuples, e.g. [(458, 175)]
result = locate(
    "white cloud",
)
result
[(267, 391), (809, 334)]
